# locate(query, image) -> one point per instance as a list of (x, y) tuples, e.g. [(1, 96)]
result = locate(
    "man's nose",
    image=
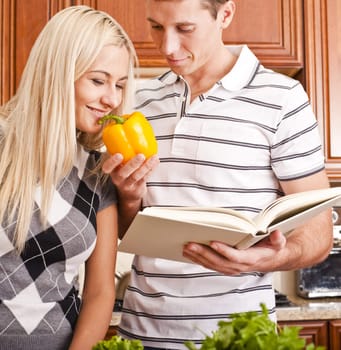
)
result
[(169, 43)]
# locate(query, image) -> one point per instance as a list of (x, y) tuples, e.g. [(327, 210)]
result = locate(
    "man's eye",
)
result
[(119, 86), (156, 27), (186, 29)]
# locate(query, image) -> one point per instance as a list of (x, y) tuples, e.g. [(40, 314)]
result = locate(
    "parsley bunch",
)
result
[(117, 343), (253, 331)]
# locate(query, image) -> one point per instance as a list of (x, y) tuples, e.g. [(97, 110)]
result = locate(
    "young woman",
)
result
[(57, 210)]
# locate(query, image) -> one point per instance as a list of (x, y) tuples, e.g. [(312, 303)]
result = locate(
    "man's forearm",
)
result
[(309, 244), (127, 210)]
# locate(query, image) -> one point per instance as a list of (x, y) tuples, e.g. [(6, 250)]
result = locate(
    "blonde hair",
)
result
[(38, 137)]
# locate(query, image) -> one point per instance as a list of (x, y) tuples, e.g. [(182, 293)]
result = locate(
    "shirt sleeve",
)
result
[(108, 194), (297, 150)]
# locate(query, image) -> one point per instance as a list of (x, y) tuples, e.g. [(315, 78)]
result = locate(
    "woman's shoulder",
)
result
[(87, 158)]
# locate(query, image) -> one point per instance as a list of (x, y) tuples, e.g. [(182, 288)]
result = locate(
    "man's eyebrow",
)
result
[(179, 23), (124, 78), (151, 20)]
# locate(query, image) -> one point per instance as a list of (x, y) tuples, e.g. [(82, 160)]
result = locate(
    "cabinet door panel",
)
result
[(27, 29), (323, 74), (278, 31), (313, 331), (335, 334), (273, 29), (334, 81), (20, 23), (7, 49)]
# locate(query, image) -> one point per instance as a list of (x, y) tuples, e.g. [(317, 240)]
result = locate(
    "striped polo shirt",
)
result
[(228, 148)]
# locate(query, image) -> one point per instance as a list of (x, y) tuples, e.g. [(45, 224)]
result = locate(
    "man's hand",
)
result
[(305, 246), (130, 178), (231, 261)]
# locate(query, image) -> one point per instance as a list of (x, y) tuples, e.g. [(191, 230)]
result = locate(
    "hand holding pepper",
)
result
[(129, 135)]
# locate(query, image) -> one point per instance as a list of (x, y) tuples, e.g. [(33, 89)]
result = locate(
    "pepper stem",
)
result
[(116, 118)]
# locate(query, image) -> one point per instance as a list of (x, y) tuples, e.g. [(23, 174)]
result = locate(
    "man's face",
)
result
[(185, 33)]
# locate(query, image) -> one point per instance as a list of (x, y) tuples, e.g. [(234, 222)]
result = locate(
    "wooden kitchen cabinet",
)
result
[(323, 74), (315, 332), (110, 333), (278, 43), (324, 333), (301, 38), (320, 332), (335, 334)]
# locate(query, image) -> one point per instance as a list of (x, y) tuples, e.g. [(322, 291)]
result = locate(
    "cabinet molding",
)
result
[(277, 43), (335, 334), (300, 38), (7, 50), (322, 75), (312, 331)]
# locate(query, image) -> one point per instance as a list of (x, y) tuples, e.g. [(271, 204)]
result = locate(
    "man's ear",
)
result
[(226, 13)]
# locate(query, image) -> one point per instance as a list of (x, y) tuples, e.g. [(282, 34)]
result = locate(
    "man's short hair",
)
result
[(213, 6)]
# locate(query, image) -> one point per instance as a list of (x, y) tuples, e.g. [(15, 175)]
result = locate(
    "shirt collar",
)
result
[(237, 78), (168, 78), (244, 69)]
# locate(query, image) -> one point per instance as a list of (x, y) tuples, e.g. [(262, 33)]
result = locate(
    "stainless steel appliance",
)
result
[(324, 280)]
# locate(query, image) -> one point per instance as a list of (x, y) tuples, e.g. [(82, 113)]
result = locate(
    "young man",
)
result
[(231, 134)]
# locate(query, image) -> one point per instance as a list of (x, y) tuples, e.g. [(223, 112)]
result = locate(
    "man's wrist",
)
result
[(131, 204)]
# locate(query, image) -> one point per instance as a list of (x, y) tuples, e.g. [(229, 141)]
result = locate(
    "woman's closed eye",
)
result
[(97, 81)]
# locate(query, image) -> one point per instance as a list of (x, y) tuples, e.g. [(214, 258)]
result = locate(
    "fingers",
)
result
[(209, 257), (137, 170), (130, 178), (129, 172), (277, 240), (115, 162), (230, 261), (112, 163), (148, 166)]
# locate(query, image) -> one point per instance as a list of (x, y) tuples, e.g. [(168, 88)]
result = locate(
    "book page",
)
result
[(289, 224), (164, 238), (218, 217), (290, 205)]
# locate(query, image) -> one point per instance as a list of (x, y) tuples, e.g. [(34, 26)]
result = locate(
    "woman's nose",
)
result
[(112, 98)]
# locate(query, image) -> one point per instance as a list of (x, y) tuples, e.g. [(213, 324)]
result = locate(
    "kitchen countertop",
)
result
[(310, 309), (115, 318), (303, 309)]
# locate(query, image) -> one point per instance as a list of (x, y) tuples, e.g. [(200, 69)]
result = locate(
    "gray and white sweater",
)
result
[(39, 301)]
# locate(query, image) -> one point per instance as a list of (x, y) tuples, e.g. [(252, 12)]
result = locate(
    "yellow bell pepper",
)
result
[(129, 135)]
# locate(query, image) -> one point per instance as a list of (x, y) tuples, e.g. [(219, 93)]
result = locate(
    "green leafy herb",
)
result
[(117, 343), (253, 331)]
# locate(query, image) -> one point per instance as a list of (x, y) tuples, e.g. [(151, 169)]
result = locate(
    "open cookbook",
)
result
[(161, 232)]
